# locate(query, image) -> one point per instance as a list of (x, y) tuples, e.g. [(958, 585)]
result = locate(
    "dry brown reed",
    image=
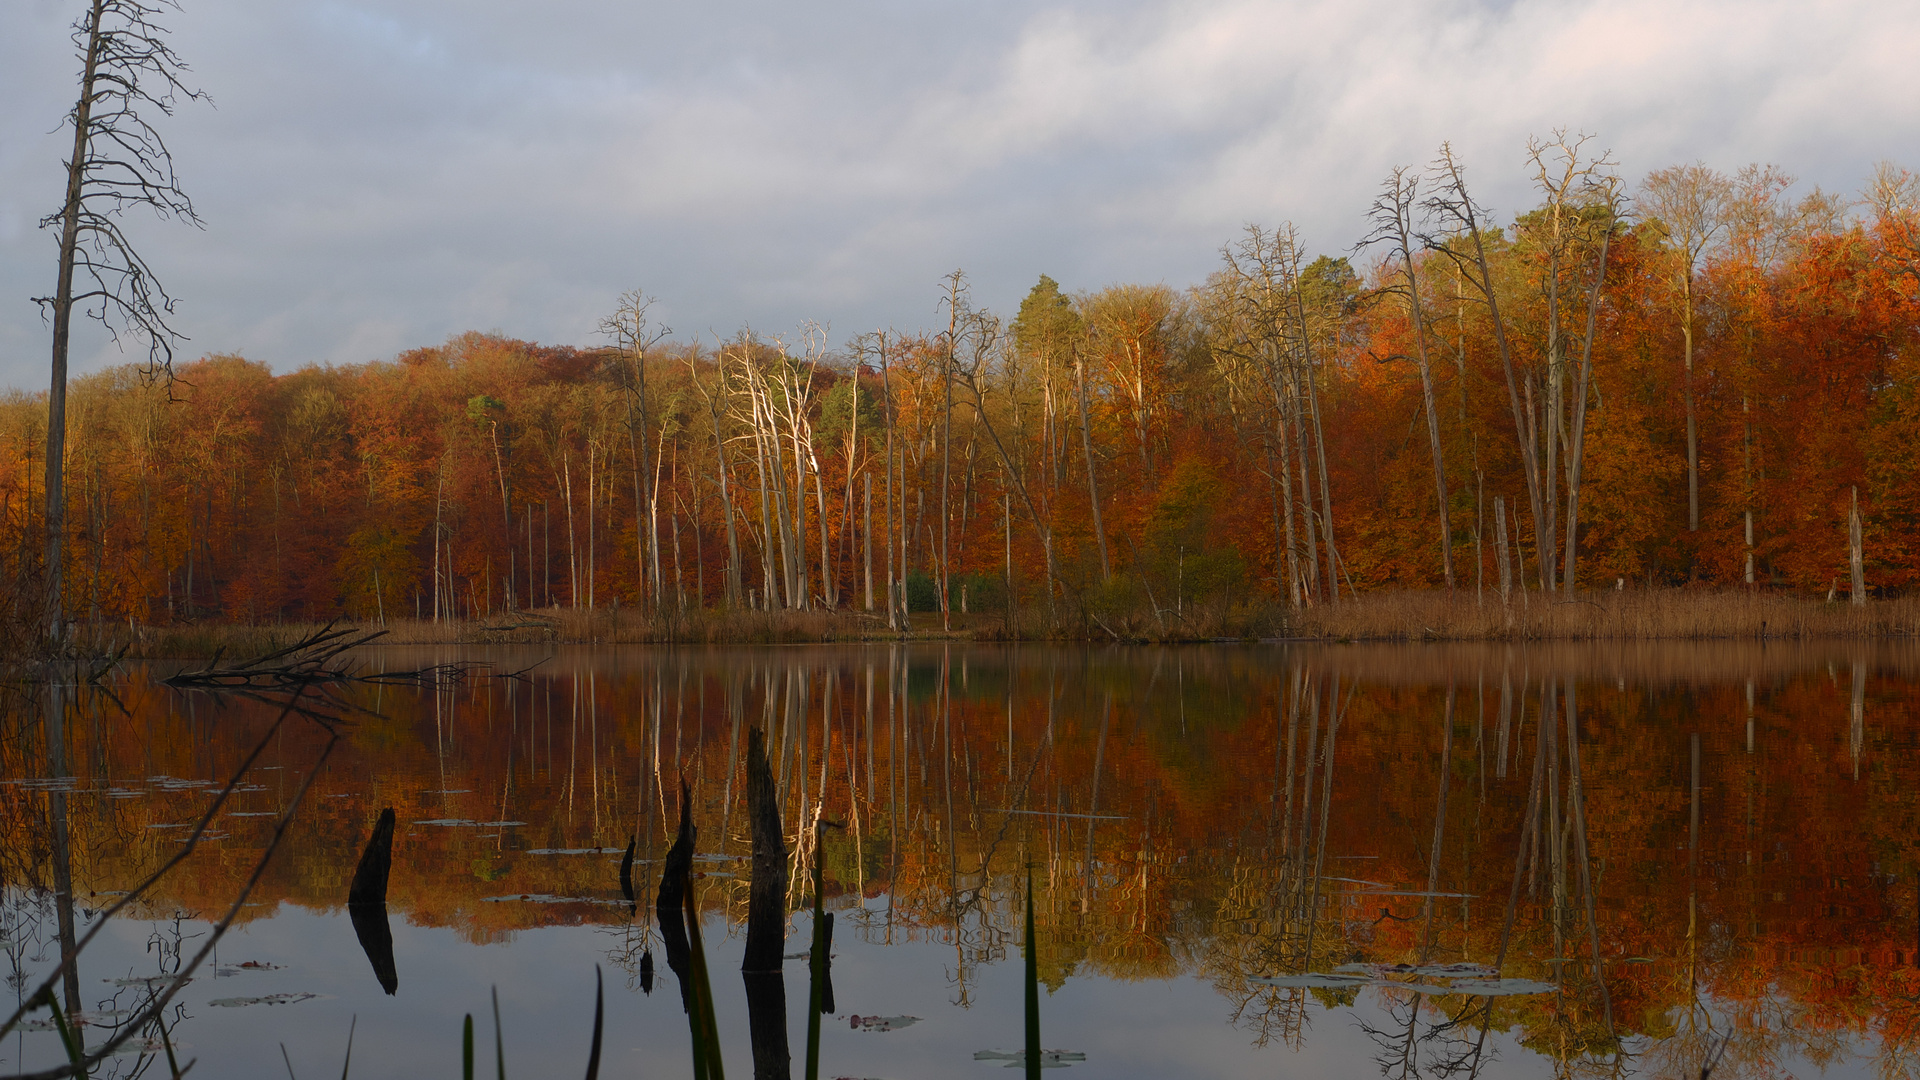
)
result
[(1626, 615), (1675, 614), (549, 626)]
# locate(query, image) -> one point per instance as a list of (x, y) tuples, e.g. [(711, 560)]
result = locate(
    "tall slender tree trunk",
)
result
[(866, 531), (506, 508), (53, 612), (1686, 390), (1856, 555), (573, 545), (886, 389), (946, 476), (1326, 492), (1576, 455), (636, 451), (1093, 486), (1418, 313), (1525, 429)]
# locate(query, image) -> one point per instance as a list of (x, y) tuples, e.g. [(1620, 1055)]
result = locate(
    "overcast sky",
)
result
[(378, 176)]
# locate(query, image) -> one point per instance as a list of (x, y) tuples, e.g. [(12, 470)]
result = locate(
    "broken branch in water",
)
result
[(309, 660)]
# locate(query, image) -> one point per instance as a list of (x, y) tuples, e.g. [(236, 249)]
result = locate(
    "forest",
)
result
[(1697, 379)]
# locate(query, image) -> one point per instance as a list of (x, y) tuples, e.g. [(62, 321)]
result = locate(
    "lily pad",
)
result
[(106, 1017), (250, 965), (1499, 987), (270, 999), (1316, 980), (1049, 1059), (549, 898), (147, 1045), (881, 1023), (1455, 971)]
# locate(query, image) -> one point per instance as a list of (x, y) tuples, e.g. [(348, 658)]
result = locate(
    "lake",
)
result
[(1245, 860)]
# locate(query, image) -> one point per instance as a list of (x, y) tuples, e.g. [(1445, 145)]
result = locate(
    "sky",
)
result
[(374, 177)]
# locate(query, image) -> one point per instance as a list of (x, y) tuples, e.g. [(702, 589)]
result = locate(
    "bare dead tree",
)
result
[(1393, 224), (119, 161), (1689, 204), (632, 336)]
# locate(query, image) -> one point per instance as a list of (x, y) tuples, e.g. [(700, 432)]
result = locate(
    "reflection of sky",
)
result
[(1145, 1028)]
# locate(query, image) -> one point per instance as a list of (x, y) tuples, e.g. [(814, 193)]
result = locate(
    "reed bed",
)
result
[(1624, 615), (604, 626), (1629, 615)]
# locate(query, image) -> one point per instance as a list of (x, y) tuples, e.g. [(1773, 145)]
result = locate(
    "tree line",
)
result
[(1696, 378)]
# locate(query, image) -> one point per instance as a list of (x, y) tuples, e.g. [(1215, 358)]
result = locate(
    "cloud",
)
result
[(379, 176)]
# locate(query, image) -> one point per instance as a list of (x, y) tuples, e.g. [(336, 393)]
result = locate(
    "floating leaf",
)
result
[(549, 898), (148, 1045), (270, 999), (881, 1023), (1498, 987), (1049, 1059), (250, 965), (1456, 971), (1316, 980), (148, 980)]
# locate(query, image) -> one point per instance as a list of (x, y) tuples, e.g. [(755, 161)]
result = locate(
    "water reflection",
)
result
[(1680, 842)]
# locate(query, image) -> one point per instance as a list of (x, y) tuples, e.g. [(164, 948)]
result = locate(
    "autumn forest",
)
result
[(1696, 378)]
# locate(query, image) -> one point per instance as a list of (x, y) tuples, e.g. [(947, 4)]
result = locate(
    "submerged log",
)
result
[(376, 940), (672, 899), (826, 965), (767, 895), (626, 876), (679, 862), (767, 1024), (370, 879), (367, 903)]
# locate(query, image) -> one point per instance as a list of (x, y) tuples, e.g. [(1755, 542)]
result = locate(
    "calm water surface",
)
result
[(1239, 856)]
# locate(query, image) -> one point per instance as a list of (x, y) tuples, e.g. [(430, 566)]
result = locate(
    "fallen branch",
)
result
[(305, 662)]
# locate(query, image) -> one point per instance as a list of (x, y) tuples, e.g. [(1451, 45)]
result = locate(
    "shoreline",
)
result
[(1399, 616)]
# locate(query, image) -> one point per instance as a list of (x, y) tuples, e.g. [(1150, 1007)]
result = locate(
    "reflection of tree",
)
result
[(150, 1012), (1240, 817)]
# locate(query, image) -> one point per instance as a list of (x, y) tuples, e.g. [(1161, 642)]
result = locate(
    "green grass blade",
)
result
[(706, 1030), (817, 959), (466, 1049), (173, 1063), (344, 1066), (1033, 989), (67, 1038), (499, 1053)]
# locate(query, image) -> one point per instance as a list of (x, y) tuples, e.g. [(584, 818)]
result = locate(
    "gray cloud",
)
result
[(379, 176)]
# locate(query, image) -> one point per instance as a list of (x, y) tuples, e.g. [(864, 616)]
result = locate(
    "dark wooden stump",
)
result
[(767, 894)]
